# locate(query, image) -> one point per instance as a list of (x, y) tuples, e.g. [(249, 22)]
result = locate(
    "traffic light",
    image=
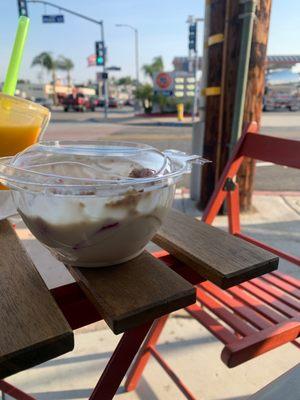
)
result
[(193, 37), (100, 53), (22, 4)]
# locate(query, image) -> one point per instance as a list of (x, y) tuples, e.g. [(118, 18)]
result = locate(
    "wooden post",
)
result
[(214, 73), (255, 92), (219, 110)]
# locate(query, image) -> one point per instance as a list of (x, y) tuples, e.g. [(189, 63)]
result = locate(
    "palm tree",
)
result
[(145, 94), (66, 64), (125, 80), (46, 61), (157, 65)]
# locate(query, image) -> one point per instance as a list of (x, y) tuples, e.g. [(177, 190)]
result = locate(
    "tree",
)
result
[(157, 65), (145, 93), (125, 80), (66, 64), (46, 61)]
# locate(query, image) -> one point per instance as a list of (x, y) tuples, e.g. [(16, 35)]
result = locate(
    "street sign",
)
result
[(91, 60), (113, 68), (53, 19), (164, 83), (164, 80), (174, 84), (101, 76)]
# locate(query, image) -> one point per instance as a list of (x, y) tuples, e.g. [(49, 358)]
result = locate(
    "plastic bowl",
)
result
[(94, 204)]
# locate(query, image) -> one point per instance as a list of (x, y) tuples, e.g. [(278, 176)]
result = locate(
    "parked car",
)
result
[(282, 90), (97, 101), (79, 102), (129, 103), (43, 101), (113, 102)]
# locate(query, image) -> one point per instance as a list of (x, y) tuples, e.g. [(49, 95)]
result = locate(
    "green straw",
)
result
[(16, 57)]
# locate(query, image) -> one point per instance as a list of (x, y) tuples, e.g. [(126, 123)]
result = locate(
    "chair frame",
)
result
[(263, 313)]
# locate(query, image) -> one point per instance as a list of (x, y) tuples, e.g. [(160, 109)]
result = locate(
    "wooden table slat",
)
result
[(33, 329), (214, 254), (135, 292)]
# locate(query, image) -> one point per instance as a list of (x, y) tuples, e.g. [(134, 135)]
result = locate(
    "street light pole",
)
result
[(137, 67), (105, 86)]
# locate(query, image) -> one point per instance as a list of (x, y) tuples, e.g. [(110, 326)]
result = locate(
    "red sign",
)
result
[(91, 60), (164, 80)]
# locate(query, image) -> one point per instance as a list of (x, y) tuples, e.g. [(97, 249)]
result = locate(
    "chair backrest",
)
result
[(272, 149), (260, 147)]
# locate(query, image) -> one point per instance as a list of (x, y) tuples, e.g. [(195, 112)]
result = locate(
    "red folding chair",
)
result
[(251, 318)]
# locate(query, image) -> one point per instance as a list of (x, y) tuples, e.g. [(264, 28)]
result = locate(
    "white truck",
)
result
[(282, 90)]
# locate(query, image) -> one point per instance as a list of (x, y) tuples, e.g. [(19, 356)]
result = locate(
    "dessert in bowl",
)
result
[(94, 203)]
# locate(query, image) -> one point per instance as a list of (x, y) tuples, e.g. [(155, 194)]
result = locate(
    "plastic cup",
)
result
[(22, 123)]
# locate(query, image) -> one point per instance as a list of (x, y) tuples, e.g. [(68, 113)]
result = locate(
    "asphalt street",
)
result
[(166, 132)]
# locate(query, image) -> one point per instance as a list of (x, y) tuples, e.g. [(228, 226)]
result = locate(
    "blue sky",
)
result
[(161, 23)]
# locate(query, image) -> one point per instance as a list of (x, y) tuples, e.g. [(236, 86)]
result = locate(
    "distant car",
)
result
[(121, 103), (43, 101), (113, 102), (282, 90), (129, 103), (79, 102), (96, 101), (101, 102)]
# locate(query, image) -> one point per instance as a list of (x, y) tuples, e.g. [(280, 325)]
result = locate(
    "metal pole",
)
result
[(137, 68), (196, 91), (66, 10), (105, 88), (198, 127), (197, 20), (244, 58)]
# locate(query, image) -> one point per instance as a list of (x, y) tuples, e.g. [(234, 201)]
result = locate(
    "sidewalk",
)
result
[(189, 348)]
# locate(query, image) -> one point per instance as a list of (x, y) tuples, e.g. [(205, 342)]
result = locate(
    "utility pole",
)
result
[(254, 94), (218, 141), (212, 93)]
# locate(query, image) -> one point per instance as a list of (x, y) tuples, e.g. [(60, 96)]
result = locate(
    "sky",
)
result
[(161, 24)]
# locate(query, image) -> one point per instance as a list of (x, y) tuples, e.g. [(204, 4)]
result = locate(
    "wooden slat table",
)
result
[(214, 254), (32, 327), (135, 292), (129, 296)]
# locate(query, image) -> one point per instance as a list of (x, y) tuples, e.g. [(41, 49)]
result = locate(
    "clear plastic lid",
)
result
[(93, 168)]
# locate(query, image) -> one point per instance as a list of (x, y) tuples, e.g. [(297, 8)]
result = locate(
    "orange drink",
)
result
[(22, 123)]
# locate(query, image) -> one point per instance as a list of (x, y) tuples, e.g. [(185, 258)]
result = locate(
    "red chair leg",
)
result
[(119, 363), (143, 356), (233, 203), (14, 392)]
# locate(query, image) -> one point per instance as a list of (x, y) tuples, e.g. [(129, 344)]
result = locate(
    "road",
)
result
[(166, 132)]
